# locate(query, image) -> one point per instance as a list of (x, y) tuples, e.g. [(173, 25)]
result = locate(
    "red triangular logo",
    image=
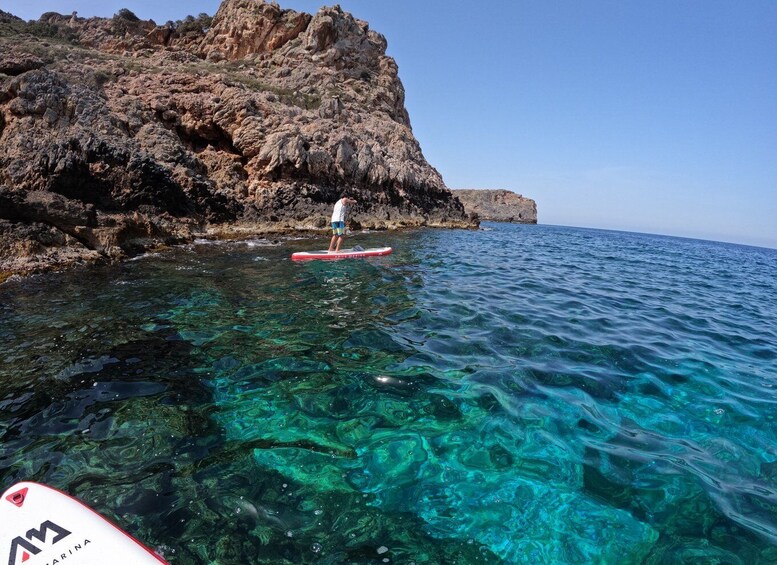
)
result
[(17, 498), (25, 556)]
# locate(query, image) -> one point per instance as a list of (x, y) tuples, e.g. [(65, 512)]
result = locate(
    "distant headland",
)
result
[(498, 205), (118, 135)]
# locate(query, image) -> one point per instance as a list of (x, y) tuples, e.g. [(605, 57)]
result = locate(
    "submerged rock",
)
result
[(254, 120)]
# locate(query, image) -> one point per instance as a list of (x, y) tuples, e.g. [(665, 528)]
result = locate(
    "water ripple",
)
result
[(518, 394)]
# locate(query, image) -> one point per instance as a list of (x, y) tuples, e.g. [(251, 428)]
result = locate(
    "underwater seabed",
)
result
[(596, 397)]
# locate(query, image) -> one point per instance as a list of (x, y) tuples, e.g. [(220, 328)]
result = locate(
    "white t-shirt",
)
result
[(339, 213)]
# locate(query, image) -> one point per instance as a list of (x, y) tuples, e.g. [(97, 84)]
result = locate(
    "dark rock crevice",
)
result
[(216, 138), (48, 209)]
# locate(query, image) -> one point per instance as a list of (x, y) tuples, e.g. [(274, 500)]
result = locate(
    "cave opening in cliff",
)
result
[(77, 182), (198, 141)]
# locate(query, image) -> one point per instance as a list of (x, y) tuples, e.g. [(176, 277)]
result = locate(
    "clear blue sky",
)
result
[(653, 116)]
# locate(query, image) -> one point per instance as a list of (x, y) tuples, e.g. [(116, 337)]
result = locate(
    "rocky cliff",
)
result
[(120, 134), (498, 205)]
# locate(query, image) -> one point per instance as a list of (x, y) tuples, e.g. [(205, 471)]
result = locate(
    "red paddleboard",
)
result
[(342, 254), (40, 525)]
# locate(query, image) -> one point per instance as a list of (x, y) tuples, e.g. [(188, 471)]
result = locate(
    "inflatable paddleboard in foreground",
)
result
[(40, 525), (342, 254)]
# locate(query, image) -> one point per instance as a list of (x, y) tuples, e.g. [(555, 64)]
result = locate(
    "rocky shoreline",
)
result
[(498, 205), (120, 135)]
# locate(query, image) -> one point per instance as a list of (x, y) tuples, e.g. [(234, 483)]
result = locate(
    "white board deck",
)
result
[(342, 254), (40, 525)]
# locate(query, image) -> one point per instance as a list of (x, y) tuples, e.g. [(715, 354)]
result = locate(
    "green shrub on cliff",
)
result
[(126, 15), (191, 25), (50, 31), (46, 16), (124, 20), (56, 31), (99, 78)]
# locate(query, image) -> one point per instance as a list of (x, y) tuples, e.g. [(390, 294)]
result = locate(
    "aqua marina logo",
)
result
[(22, 548)]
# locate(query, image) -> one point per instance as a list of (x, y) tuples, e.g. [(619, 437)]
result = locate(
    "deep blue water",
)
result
[(519, 394)]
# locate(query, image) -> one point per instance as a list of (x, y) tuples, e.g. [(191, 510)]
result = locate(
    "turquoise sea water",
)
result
[(519, 394)]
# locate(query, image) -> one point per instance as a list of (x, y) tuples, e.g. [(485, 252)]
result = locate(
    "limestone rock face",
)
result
[(247, 27), (121, 134), (498, 205)]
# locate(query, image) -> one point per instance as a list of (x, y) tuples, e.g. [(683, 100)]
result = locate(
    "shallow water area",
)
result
[(519, 394)]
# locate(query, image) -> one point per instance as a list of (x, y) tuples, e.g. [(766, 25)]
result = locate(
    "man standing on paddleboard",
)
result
[(338, 221)]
